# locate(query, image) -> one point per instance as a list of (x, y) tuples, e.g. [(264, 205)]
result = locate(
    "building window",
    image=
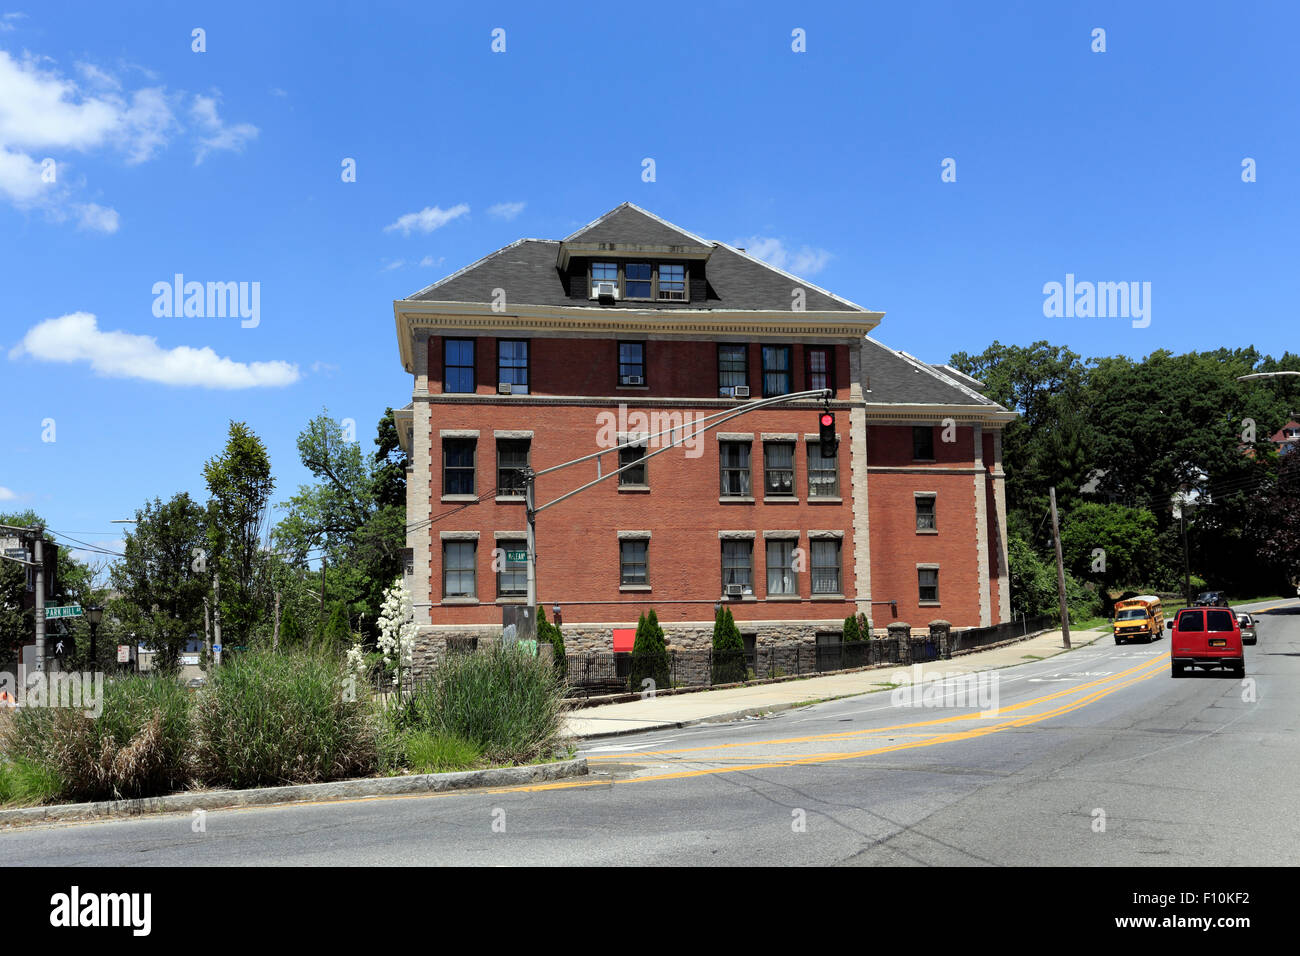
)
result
[(734, 456), (925, 513), (778, 468), (776, 370), (672, 282), (604, 272), (512, 460), (458, 466), (928, 579), (512, 364), (781, 577), (823, 473), (738, 565), (733, 368), (825, 566), (627, 454), (458, 365), (923, 443), (458, 569), (631, 363), (512, 579), (821, 368), (636, 284), (632, 562)]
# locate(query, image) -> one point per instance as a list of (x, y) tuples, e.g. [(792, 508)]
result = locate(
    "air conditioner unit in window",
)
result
[(740, 391), (503, 388), (735, 590), (633, 380), (606, 290)]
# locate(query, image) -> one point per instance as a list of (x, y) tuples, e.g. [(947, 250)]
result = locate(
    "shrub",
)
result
[(546, 631), (728, 650), (851, 630), (268, 718), (138, 746), (291, 632), (337, 633), (649, 654), (503, 700)]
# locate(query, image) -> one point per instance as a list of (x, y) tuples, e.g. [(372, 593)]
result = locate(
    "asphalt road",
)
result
[(1094, 757)]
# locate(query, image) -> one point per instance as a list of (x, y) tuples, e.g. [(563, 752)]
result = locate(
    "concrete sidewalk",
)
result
[(678, 710)]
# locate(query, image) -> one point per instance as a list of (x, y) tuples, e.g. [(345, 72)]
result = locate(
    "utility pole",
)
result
[(1187, 567), (532, 539), (275, 633), (322, 591), (1060, 573), (207, 632), (40, 599), (216, 616)]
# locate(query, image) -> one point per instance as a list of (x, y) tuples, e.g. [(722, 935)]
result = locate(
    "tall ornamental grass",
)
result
[(268, 718)]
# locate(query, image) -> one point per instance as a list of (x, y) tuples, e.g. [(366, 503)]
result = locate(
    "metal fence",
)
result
[(982, 636), (612, 673)]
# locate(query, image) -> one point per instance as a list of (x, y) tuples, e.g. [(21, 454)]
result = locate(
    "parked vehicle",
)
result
[(1211, 599), (1249, 628), (1206, 637), (1139, 617)]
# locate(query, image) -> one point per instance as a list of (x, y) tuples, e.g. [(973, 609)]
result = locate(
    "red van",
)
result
[(1206, 637)]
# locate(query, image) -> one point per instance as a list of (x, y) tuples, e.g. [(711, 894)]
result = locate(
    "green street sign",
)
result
[(67, 610), (516, 555)]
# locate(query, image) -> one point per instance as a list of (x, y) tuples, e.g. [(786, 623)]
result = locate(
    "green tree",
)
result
[(355, 513), (728, 650), (1109, 544), (337, 633), (240, 484), (552, 634), (163, 577), (650, 654), (291, 630)]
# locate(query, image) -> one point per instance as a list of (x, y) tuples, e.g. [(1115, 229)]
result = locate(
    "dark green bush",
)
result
[(728, 650), (649, 655)]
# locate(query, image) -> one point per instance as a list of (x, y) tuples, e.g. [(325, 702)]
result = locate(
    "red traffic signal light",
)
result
[(826, 434)]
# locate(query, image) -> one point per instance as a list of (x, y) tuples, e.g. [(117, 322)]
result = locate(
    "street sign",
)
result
[(67, 610), (18, 554), (123, 653), (216, 648), (516, 555)]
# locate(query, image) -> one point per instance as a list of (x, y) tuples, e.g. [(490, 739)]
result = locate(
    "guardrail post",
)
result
[(900, 632), (940, 632)]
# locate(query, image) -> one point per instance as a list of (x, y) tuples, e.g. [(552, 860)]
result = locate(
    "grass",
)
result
[(1031, 657), (428, 752), (25, 783)]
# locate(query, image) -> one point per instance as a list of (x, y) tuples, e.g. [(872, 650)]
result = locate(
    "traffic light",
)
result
[(826, 434)]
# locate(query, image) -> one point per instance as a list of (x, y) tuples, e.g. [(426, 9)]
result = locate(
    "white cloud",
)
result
[(276, 91), (506, 210), (217, 134), (395, 264), (76, 337), (427, 219), (9, 21), (20, 178), (7, 495), (429, 262), (95, 218), (807, 261)]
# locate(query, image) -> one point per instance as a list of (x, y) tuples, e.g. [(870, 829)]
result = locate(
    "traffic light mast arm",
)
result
[(695, 430)]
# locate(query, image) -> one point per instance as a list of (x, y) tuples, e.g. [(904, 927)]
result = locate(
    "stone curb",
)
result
[(677, 724), (301, 793)]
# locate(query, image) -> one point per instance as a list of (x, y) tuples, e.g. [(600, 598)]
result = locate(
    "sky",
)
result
[(940, 162)]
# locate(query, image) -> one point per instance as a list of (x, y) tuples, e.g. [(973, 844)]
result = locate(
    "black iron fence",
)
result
[(612, 673), (1020, 627)]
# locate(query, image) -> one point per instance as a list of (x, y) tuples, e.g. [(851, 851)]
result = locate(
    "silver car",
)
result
[(1249, 632)]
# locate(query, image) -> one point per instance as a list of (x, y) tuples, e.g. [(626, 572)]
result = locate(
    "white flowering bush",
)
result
[(396, 632)]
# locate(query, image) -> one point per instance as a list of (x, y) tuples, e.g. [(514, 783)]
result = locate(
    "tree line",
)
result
[(1163, 470)]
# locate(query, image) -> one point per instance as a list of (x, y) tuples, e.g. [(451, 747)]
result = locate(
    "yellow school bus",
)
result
[(1139, 617)]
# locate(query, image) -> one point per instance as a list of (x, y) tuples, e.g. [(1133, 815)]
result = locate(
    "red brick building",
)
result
[(548, 350)]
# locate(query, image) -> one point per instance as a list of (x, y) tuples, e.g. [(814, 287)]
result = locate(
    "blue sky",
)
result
[(225, 166)]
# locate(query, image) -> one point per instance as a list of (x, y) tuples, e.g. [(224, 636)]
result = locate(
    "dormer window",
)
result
[(637, 276), (672, 282), (642, 281)]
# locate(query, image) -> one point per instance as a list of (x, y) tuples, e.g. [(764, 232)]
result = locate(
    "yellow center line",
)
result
[(849, 734)]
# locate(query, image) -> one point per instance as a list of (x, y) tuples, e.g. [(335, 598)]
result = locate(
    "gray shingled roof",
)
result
[(527, 270), (897, 378)]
